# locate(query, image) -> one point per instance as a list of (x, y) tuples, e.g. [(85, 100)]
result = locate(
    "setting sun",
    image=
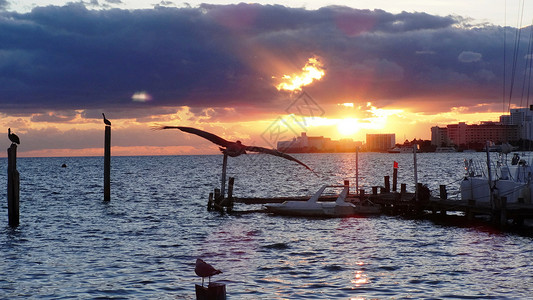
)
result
[(348, 126)]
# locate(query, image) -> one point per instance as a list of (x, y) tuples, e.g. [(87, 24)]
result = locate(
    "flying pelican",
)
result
[(204, 269), (106, 121), (233, 149), (13, 137)]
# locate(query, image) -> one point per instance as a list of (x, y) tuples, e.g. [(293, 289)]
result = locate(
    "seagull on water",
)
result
[(233, 149), (204, 269), (13, 137), (106, 121)]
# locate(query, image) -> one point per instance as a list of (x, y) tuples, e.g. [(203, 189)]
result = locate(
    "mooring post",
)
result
[(443, 192), (210, 202), (347, 183), (214, 291), (356, 168), (13, 187), (374, 190), (387, 184), (403, 188), (107, 164), (415, 170), (394, 178), (218, 200), (223, 179), (361, 194), (503, 212), (229, 204), (470, 210)]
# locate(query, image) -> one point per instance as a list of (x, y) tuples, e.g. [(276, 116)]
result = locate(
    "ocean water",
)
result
[(144, 242)]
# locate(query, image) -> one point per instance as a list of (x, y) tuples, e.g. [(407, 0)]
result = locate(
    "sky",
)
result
[(258, 72)]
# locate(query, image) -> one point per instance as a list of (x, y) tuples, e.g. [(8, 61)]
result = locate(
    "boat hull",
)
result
[(321, 210)]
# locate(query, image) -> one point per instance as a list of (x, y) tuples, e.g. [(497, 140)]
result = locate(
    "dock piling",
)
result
[(210, 202), (347, 183), (13, 187), (223, 179), (229, 204), (443, 192), (107, 163), (387, 184), (403, 188), (503, 212), (394, 179), (357, 168)]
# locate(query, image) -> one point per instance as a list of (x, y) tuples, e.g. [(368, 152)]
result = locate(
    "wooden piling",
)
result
[(374, 190), (210, 202), (347, 183), (217, 199), (503, 212), (223, 179), (443, 192), (215, 291), (387, 184), (394, 179), (403, 188), (107, 164), (415, 166), (357, 168), (361, 194), (229, 204), (469, 211), (13, 187)]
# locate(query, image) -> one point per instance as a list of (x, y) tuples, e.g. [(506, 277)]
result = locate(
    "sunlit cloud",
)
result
[(346, 104), (313, 70), (141, 96)]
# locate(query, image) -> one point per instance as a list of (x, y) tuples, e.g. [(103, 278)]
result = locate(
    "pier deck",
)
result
[(405, 204)]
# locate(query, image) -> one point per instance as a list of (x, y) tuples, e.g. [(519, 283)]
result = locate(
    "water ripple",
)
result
[(143, 244)]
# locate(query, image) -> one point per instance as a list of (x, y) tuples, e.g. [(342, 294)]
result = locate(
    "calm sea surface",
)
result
[(143, 243)]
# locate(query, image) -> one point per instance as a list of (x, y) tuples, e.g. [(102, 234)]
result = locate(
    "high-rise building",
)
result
[(462, 134), (523, 118), (380, 142)]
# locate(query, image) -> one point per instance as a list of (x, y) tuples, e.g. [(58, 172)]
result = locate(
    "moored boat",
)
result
[(488, 184), (315, 208)]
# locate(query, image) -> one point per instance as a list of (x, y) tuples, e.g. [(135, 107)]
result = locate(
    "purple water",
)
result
[(144, 242)]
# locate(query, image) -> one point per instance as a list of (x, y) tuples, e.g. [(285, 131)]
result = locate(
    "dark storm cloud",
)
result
[(72, 58)]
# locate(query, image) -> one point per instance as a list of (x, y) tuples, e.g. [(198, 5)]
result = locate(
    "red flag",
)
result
[(396, 165)]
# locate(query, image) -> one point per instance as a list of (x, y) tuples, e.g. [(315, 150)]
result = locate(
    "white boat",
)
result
[(315, 208), (514, 181)]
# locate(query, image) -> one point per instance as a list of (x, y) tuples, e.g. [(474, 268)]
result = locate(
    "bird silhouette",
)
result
[(13, 137), (233, 149), (106, 121), (204, 269)]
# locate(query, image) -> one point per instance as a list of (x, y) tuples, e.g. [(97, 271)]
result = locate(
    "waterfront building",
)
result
[(523, 119), (305, 143), (380, 142), (465, 135)]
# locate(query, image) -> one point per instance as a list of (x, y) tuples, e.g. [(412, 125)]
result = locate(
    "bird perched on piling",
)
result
[(13, 137), (204, 269), (233, 149), (106, 121)]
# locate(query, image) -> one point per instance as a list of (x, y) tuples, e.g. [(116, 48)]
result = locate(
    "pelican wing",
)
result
[(206, 135), (277, 153)]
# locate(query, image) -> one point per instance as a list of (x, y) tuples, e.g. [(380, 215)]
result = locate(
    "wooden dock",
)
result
[(504, 216)]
